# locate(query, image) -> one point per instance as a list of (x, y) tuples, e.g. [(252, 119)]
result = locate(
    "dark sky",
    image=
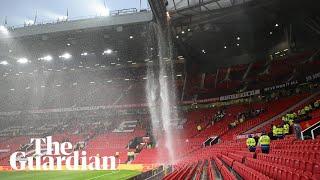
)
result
[(19, 11)]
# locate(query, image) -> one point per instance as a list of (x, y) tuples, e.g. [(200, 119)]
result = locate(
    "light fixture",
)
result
[(134, 63), (270, 32), (58, 85), (225, 47), (238, 38), (109, 81), (277, 25), (165, 76), (131, 37), (84, 54), (182, 32), (168, 14), (92, 82), (179, 75), (144, 78), (113, 63), (4, 63), (12, 89), (108, 51), (177, 37), (189, 30), (4, 30), (23, 60), (68, 44), (65, 56), (238, 44), (46, 58), (126, 79), (203, 51)]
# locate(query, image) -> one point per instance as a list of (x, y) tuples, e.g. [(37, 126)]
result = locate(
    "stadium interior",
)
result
[(173, 91)]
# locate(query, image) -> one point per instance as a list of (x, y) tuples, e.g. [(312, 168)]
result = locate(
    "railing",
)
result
[(67, 19), (307, 133), (313, 132)]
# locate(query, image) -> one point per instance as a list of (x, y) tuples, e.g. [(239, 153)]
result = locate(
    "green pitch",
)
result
[(68, 175)]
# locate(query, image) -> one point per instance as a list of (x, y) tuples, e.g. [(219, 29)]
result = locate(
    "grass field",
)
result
[(67, 175)]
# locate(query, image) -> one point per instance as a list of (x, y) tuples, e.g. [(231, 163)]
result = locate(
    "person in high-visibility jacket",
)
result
[(264, 142), (279, 132), (274, 130), (251, 144), (295, 115), (286, 129)]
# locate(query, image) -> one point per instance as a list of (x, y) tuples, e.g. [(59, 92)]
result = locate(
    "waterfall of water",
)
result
[(160, 90)]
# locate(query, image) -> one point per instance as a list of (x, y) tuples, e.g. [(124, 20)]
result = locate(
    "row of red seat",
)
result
[(276, 171)]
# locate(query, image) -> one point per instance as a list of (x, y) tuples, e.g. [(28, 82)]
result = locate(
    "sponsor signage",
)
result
[(280, 86)]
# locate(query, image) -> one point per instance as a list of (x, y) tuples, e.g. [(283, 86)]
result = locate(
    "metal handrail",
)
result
[(312, 131)]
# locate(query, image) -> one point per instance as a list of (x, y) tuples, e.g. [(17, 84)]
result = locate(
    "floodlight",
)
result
[(65, 56), (46, 58), (108, 51), (4, 63), (4, 30), (23, 60)]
